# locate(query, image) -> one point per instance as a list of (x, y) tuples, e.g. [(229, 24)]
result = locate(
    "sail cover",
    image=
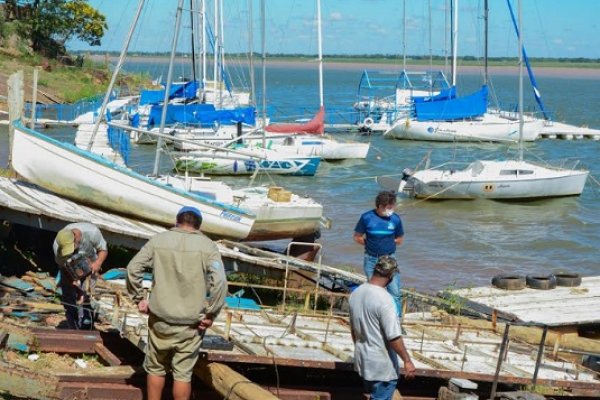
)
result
[(453, 109), (203, 114), (315, 125), (186, 90)]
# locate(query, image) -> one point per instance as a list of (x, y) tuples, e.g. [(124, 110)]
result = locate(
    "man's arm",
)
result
[(135, 272), (216, 287), (359, 238), (399, 240), (398, 346)]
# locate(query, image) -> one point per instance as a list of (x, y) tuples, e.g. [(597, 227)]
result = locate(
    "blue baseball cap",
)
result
[(193, 210)]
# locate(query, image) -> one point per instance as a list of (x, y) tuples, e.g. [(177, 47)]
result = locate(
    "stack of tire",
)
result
[(536, 281)]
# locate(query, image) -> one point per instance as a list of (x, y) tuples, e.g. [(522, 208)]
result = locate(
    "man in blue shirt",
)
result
[(380, 231)]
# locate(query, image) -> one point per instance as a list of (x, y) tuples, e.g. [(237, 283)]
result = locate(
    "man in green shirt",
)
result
[(188, 291)]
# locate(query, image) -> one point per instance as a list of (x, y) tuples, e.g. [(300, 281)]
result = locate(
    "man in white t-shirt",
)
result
[(376, 333)]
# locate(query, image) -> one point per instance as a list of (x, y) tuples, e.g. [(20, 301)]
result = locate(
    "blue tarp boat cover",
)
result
[(203, 114), (185, 90), (444, 94), (453, 109)]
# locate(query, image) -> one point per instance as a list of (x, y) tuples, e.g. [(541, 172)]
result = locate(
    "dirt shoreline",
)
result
[(540, 71)]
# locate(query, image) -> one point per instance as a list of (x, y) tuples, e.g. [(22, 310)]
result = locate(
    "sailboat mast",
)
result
[(203, 31), (251, 51), (192, 19), (404, 36), (215, 47), (320, 49), (263, 45), (454, 40), (520, 84), (486, 14), (115, 74), (163, 116)]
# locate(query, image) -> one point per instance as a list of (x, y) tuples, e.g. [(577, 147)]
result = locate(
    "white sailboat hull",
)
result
[(490, 127), (295, 217), (90, 179), (497, 180)]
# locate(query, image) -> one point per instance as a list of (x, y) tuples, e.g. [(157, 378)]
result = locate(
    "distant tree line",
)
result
[(381, 56)]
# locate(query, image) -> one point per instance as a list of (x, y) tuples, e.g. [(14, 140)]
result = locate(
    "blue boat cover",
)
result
[(185, 90), (453, 109), (444, 94), (203, 114)]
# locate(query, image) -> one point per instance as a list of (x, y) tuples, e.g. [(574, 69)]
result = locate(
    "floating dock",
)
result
[(558, 307)]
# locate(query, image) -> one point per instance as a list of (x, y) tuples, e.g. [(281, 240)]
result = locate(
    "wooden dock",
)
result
[(561, 306)]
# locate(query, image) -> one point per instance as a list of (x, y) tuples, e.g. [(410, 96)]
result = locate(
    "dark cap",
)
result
[(193, 210), (386, 265)]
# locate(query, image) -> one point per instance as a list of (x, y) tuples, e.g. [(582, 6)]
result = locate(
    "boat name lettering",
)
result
[(231, 216)]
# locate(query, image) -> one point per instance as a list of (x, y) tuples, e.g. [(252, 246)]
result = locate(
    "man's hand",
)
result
[(95, 266), (409, 370), (205, 323), (143, 307)]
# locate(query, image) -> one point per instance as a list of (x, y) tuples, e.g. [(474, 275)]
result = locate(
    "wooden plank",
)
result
[(25, 383), (229, 383)]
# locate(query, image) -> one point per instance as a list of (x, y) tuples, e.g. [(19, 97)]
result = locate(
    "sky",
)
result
[(551, 28)]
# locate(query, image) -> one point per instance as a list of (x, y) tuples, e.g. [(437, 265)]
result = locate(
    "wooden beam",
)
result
[(533, 335), (229, 383)]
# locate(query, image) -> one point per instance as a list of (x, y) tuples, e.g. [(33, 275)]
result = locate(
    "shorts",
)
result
[(171, 348)]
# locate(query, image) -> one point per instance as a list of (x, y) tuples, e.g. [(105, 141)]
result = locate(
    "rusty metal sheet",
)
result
[(99, 391), (65, 340), (107, 355)]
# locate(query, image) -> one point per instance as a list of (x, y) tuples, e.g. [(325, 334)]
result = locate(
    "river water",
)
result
[(447, 243)]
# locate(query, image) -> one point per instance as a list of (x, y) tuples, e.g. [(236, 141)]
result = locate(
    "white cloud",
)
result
[(336, 16), (558, 41)]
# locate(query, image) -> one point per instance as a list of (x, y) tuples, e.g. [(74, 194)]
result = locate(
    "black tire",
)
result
[(509, 282), (541, 282), (566, 278)]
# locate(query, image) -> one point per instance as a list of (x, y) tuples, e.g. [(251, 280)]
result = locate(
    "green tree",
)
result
[(51, 23)]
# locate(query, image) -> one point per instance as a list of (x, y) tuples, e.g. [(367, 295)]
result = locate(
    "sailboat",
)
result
[(503, 180), (308, 139), (451, 118)]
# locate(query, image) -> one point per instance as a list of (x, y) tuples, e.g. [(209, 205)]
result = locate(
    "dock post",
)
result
[(538, 361), (15, 107), (500, 359)]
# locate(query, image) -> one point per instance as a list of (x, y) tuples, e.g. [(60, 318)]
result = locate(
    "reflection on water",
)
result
[(457, 243)]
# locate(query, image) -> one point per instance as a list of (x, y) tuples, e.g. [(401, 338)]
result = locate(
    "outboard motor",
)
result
[(406, 174)]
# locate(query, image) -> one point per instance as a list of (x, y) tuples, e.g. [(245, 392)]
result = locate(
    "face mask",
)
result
[(388, 213)]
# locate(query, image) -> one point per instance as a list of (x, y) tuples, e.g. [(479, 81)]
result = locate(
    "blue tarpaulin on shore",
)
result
[(465, 107), (202, 114)]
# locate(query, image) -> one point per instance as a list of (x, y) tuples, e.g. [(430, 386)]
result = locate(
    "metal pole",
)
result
[(251, 51), (163, 117), (115, 74), (538, 361), (36, 71), (263, 44), (521, 122), (320, 47), (500, 359)]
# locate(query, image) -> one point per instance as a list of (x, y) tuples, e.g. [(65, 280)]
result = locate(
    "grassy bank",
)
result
[(60, 83)]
